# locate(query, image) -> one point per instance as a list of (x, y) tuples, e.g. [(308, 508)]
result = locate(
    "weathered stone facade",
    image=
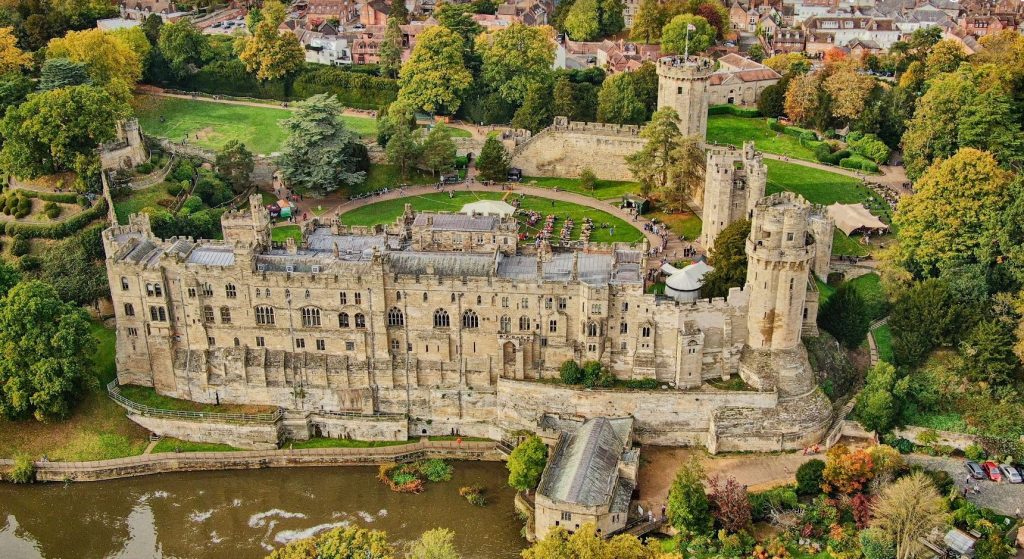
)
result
[(126, 150), (734, 180), (565, 148), (357, 322), (683, 86)]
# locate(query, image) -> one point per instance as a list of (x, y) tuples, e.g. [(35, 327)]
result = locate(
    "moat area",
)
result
[(245, 514)]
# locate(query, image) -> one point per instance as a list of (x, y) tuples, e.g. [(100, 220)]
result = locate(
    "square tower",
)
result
[(734, 180)]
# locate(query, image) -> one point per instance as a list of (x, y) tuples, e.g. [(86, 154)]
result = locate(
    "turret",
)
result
[(247, 228), (683, 85), (734, 180)]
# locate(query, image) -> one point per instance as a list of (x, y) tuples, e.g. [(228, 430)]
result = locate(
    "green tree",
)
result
[(14, 89), (514, 58), (845, 316), (988, 122), (317, 155), (400, 12), (932, 132), (339, 543), (493, 162), (535, 114), (184, 46), (922, 317), (457, 18), (526, 463), (647, 22), (728, 256), (563, 98), (434, 78), (689, 509), (669, 164), (944, 57), (756, 53), (33, 146), (391, 49), (675, 39), (107, 56), (61, 72), (403, 149), (877, 406), (438, 543), (151, 27), (235, 163), (587, 543), (437, 153), (620, 102), (987, 353), (583, 21), (772, 102), (612, 18), (588, 180), (9, 277), (43, 340), (809, 477), (570, 373), (269, 53), (75, 270)]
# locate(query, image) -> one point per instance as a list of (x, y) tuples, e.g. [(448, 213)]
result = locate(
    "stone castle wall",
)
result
[(566, 148)]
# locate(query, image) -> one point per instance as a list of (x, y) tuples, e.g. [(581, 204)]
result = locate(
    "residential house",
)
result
[(614, 56), (530, 12), (338, 10), (786, 40), (322, 41), (981, 25), (739, 81), (826, 32)]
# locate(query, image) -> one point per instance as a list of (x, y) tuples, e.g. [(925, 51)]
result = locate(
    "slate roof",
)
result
[(583, 468), (212, 256), (456, 222), (441, 263)]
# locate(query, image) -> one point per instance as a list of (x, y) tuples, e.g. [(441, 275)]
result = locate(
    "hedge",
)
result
[(823, 153), (57, 230), (730, 109), (229, 77), (62, 197), (353, 89), (861, 164), (801, 133)]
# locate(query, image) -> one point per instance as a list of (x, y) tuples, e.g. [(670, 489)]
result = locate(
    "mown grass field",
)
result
[(883, 341), (387, 211), (259, 128), (686, 225), (139, 199), (603, 189), (168, 444), (283, 232), (734, 130)]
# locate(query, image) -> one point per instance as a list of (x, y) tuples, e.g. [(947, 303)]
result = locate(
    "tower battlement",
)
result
[(734, 180), (683, 85)]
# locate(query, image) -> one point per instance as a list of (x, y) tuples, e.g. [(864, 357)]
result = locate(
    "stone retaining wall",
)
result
[(255, 436), (248, 460)]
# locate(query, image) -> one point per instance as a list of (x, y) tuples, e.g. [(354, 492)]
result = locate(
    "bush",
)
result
[(800, 133), (774, 125), (29, 263), (870, 147), (859, 164), (730, 109), (436, 470), (20, 246), (810, 476), (974, 452), (353, 89), (175, 188), (642, 383), (570, 372), (23, 470), (144, 168), (778, 498), (592, 373), (52, 210), (58, 230)]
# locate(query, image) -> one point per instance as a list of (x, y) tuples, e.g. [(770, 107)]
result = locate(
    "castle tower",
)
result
[(780, 257), (683, 85), (734, 180), (248, 228)]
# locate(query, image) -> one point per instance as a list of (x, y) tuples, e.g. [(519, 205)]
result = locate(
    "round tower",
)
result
[(780, 255), (683, 85)]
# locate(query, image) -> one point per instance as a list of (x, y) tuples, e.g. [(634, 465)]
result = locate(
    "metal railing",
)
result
[(114, 391)]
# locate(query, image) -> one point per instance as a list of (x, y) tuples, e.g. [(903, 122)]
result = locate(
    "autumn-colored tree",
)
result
[(906, 511), (802, 97), (669, 163), (834, 55), (847, 471), (12, 58), (932, 133), (860, 507), (716, 14), (944, 57), (729, 503), (586, 542), (339, 543), (647, 22), (793, 62), (849, 89), (107, 57), (268, 52)]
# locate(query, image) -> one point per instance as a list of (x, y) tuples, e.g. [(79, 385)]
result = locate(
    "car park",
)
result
[(1011, 473), (992, 471), (974, 469)]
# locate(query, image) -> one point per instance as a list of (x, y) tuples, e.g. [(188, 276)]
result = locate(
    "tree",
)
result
[(729, 503), (9, 277), (152, 24), (586, 542), (906, 511), (12, 58), (526, 463), (849, 90), (235, 163), (535, 114), (43, 340), (932, 133), (809, 477), (583, 21), (688, 506), (318, 155), (922, 317), (391, 49), (954, 213), (845, 316), (620, 102), (716, 14), (493, 162), (612, 18), (772, 102), (570, 372), (788, 63), (944, 57), (588, 180), (339, 543), (647, 22), (757, 53), (108, 57), (434, 78), (987, 354), (183, 46), (563, 98), (802, 97), (728, 257), (846, 471), (400, 12), (61, 72), (669, 163), (988, 122), (438, 151), (514, 58), (877, 405), (74, 269), (33, 146), (675, 39), (438, 543), (268, 52)]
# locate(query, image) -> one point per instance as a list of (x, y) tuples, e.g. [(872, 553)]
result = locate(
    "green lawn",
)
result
[(816, 185), (734, 130), (323, 442), (870, 288), (389, 176), (147, 396), (686, 225), (387, 211), (281, 232), (139, 199), (168, 444), (603, 189), (824, 291), (883, 341), (842, 245), (259, 128), (940, 421)]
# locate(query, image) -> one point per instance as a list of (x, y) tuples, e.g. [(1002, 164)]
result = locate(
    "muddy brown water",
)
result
[(246, 514)]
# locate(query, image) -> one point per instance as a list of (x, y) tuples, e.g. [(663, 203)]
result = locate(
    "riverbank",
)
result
[(149, 464)]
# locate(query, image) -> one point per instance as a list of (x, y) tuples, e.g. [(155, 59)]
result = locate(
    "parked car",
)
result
[(974, 469), (1011, 473), (992, 471)]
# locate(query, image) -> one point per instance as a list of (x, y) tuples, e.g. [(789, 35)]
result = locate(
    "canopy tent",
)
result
[(853, 217), (489, 207), (683, 284)]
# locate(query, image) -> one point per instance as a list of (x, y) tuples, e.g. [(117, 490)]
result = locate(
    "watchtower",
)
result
[(734, 180), (683, 85), (247, 228)]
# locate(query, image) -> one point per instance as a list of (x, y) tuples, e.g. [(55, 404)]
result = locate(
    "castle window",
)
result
[(552, 326), (479, 300), (343, 320), (230, 291), (805, 313), (524, 323), (470, 320), (344, 298), (310, 317), (207, 290), (505, 324), (321, 345), (157, 314), (300, 343), (504, 302), (596, 308), (623, 346), (394, 346), (225, 315), (561, 303), (395, 317), (267, 292), (350, 346), (360, 320), (625, 306), (124, 284), (129, 309), (260, 342), (679, 90), (359, 298), (154, 290), (210, 341), (237, 343), (453, 297), (307, 294), (524, 303), (424, 296), (566, 515), (645, 331), (548, 303), (265, 316), (591, 329), (133, 332), (623, 328), (398, 295), (192, 292), (258, 292), (791, 284), (207, 314), (441, 319)]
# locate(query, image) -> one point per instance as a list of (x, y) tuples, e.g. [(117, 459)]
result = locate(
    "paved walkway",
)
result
[(1003, 497)]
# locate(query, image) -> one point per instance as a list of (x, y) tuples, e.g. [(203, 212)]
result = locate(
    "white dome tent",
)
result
[(683, 284)]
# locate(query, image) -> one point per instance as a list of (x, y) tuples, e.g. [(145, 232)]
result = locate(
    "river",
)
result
[(245, 514)]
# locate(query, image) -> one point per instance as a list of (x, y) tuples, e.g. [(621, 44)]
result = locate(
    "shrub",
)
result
[(778, 498), (810, 476), (23, 470), (592, 373), (570, 372), (29, 263), (144, 168), (730, 109), (436, 470), (175, 188), (52, 210), (58, 230), (974, 452), (642, 383), (353, 89), (474, 494), (20, 246), (774, 125), (860, 164)]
